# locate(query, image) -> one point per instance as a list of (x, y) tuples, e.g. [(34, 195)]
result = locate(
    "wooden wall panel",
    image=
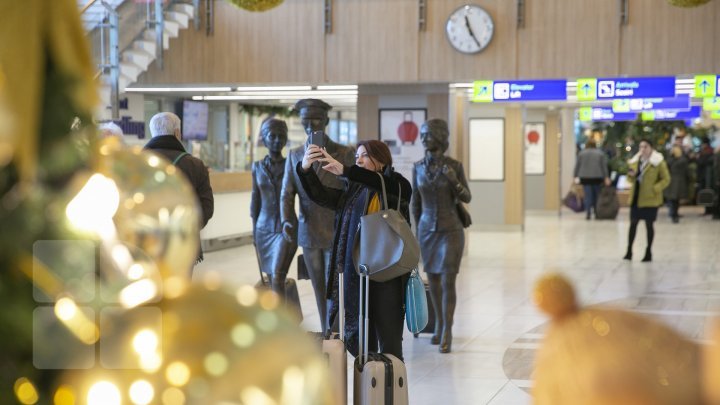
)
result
[(569, 38), (377, 41), (367, 116), (284, 44), (552, 161), (666, 40), (514, 170), (439, 61), (373, 41)]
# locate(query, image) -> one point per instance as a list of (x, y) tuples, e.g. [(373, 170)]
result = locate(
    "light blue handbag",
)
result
[(416, 306)]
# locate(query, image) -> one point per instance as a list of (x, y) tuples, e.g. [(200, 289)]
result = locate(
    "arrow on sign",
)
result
[(586, 88), (483, 90), (704, 84)]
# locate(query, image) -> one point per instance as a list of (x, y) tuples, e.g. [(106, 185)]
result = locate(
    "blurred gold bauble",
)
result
[(142, 209), (256, 5), (204, 347), (687, 3)]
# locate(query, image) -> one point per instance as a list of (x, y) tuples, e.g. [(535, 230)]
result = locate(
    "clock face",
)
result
[(470, 29)]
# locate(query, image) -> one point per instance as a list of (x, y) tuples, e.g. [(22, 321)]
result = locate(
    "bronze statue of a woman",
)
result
[(439, 184), (275, 253)]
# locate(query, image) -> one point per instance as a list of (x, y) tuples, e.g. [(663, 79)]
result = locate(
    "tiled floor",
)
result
[(497, 329)]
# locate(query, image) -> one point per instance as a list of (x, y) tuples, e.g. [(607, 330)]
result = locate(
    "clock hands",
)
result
[(472, 34)]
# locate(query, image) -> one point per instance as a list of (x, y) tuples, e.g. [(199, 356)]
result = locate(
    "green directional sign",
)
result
[(585, 114), (715, 115), (587, 89), (483, 91), (711, 104), (621, 105), (648, 116), (705, 86)]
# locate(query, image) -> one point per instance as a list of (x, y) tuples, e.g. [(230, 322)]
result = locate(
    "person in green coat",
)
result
[(649, 176)]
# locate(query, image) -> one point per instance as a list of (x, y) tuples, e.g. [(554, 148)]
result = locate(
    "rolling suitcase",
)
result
[(333, 348), (378, 379), (292, 298), (607, 205)]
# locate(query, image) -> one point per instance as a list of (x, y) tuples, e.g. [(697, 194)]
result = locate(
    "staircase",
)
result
[(137, 57)]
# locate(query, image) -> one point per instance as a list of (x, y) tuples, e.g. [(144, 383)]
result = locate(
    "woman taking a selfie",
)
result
[(360, 196)]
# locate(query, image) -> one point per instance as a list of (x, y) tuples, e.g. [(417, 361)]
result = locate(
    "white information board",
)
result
[(487, 149)]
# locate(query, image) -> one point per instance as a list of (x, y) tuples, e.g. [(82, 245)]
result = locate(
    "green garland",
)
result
[(271, 110), (687, 3), (256, 5)]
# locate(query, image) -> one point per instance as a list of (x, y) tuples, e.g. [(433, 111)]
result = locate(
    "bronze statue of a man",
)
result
[(315, 223), (438, 186), (275, 253)]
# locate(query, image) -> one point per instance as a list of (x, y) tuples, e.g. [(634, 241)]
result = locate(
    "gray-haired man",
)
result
[(165, 130)]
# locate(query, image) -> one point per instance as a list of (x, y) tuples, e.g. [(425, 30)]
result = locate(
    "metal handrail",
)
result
[(87, 6)]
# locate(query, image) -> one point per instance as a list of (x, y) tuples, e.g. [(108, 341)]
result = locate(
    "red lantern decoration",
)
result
[(408, 130), (533, 137)]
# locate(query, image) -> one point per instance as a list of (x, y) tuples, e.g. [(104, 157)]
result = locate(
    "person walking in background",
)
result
[(716, 171), (275, 252), (360, 196), (166, 136), (439, 185), (705, 169), (678, 189), (649, 176), (591, 170)]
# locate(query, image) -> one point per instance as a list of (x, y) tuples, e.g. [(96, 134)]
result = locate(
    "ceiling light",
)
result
[(274, 88), (338, 87), (174, 89)]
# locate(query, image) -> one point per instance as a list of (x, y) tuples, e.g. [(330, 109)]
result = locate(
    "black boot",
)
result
[(628, 255), (648, 256)]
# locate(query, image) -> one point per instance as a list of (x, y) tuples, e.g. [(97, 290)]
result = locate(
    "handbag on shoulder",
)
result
[(385, 247), (464, 215)]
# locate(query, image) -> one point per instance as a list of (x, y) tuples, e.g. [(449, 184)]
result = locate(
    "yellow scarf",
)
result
[(374, 204)]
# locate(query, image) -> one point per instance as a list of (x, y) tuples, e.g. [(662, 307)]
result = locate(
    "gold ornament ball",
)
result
[(156, 217), (687, 3), (204, 347), (256, 5)]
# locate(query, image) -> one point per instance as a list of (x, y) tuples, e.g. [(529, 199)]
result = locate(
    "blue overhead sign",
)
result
[(679, 102), (670, 115), (530, 90), (634, 87), (604, 114), (519, 90)]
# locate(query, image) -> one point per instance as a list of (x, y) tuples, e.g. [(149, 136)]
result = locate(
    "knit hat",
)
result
[(598, 355)]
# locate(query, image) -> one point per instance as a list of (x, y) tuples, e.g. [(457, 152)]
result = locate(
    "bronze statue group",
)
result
[(338, 184)]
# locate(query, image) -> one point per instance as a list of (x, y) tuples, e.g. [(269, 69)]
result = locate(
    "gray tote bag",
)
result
[(385, 247)]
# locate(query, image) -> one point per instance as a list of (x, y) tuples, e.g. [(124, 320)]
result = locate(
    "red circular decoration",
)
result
[(533, 137)]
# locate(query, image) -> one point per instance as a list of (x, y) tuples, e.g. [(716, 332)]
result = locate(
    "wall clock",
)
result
[(469, 29)]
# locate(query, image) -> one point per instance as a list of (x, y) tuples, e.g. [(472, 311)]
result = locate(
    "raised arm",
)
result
[(324, 196), (371, 179), (457, 181)]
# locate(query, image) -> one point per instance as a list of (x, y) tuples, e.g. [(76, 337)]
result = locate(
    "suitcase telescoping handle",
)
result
[(341, 298), (363, 321)]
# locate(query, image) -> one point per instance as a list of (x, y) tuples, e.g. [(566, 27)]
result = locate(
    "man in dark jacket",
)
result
[(165, 130)]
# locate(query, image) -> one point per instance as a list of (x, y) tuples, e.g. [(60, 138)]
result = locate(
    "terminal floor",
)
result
[(497, 328)]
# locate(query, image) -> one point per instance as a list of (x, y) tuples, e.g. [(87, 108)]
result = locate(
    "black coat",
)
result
[(194, 169)]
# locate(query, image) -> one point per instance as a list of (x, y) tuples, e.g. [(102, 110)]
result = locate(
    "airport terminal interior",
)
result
[(564, 158)]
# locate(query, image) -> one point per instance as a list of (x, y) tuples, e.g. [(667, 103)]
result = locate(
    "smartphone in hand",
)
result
[(317, 138)]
